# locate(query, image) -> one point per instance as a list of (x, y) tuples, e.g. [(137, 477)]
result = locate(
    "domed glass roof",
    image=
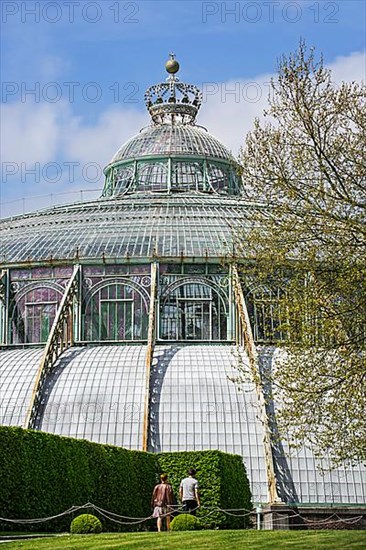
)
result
[(134, 225), (168, 139), (173, 155)]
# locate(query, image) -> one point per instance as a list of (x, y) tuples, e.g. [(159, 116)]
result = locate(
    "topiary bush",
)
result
[(184, 522), (85, 524)]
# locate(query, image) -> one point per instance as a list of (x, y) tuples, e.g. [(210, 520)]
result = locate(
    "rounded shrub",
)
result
[(84, 524), (184, 522)]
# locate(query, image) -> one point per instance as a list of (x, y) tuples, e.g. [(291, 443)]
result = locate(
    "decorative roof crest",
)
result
[(173, 102)]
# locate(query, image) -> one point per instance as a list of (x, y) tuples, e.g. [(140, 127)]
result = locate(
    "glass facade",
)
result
[(98, 393), (171, 176), (33, 314), (263, 307), (172, 200), (34, 296)]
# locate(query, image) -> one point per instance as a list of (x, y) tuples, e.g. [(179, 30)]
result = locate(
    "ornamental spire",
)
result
[(173, 102)]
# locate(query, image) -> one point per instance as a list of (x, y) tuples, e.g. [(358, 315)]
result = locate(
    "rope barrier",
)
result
[(112, 516), (113, 513), (125, 522), (42, 520), (235, 515)]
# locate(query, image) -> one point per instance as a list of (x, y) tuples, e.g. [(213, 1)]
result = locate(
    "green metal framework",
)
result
[(168, 174)]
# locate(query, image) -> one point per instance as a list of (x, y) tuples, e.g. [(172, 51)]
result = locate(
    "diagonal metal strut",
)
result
[(149, 355), (248, 343), (61, 337)]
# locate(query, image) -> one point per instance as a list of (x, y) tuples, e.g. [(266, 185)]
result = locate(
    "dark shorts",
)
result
[(190, 506)]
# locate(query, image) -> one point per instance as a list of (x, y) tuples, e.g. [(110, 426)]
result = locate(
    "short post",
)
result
[(259, 511)]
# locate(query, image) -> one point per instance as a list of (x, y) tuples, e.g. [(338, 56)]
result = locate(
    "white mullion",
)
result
[(132, 319)]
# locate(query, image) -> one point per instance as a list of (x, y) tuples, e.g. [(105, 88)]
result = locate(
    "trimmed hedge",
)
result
[(222, 480), (42, 475)]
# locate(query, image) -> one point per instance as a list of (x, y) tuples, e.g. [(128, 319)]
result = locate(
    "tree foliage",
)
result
[(306, 169)]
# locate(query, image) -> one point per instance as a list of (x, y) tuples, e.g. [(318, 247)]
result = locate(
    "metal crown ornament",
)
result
[(173, 102)]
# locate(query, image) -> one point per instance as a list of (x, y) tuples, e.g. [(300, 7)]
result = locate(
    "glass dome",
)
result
[(173, 154), (168, 139)]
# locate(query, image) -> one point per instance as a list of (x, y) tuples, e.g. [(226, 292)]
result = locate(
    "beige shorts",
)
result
[(160, 511)]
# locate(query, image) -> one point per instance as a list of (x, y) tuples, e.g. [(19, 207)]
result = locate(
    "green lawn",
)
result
[(221, 540)]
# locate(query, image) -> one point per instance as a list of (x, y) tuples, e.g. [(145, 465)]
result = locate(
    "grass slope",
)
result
[(220, 540)]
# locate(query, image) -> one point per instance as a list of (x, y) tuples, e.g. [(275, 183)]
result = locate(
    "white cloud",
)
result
[(98, 143), (349, 68), (47, 132), (230, 108), (34, 135), (30, 133), (229, 116)]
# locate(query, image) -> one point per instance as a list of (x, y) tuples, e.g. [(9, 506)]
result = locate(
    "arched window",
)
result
[(193, 311), (219, 177), (33, 313), (116, 312), (123, 178), (263, 308)]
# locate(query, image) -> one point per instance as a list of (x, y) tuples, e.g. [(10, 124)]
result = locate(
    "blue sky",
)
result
[(111, 51)]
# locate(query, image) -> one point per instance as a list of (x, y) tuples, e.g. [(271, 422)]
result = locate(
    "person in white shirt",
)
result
[(188, 492)]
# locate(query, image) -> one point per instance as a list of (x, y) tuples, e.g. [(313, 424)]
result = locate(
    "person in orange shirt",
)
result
[(161, 501)]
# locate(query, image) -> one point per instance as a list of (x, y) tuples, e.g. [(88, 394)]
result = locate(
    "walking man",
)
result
[(189, 494)]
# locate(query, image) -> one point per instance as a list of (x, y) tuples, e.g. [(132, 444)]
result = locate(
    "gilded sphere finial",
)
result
[(172, 65)]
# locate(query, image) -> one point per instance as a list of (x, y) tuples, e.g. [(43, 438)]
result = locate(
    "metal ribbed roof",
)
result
[(135, 226), (196, 407), (98, 394), (18, 369), (168, 139)]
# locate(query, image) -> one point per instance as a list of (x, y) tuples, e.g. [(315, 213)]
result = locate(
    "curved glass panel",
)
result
[(195, 226), (197, 407), (187, 176), (123, 178), (18, 371), (97, 393), (219, 177), (167, 139)]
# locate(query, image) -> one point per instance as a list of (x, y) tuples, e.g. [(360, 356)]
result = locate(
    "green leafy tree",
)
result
[(305, 167)]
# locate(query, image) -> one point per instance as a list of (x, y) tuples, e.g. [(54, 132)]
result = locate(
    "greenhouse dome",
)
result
[(123, 320)]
